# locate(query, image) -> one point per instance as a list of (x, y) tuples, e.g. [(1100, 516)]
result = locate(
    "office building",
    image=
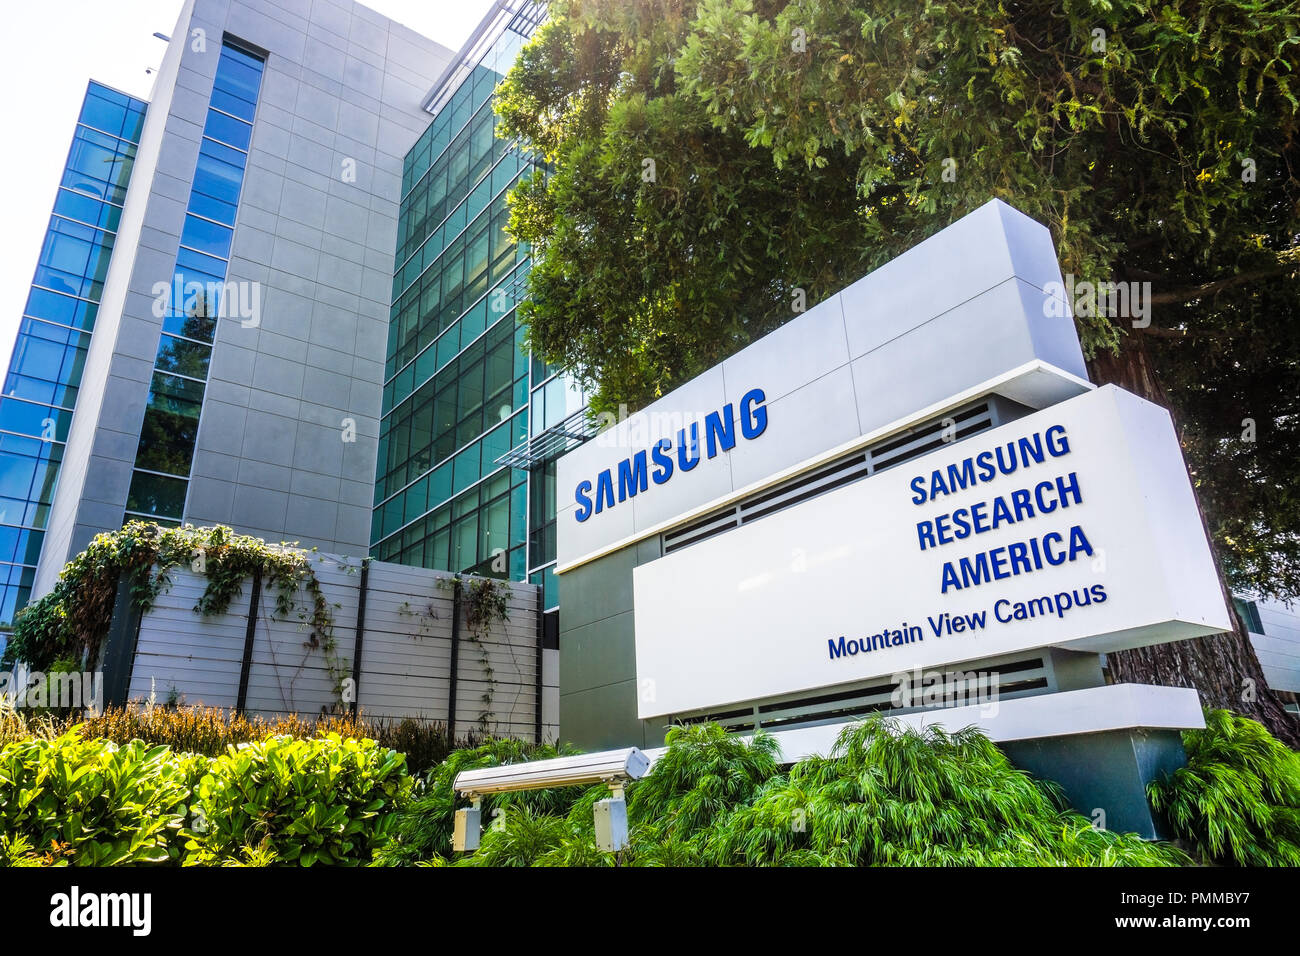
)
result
[(59, 317), (213, 293), (470, 427)]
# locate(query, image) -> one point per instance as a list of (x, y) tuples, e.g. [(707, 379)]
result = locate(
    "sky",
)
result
[(50, 49)]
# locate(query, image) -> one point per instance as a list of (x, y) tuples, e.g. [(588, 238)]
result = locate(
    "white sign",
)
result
[(1073, 527), (967, 307)]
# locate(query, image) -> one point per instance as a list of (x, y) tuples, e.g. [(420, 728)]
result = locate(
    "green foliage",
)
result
[(485, 603), (886, 796), (92, 802), (16, 851), (71, 620), (210, 730), (639, 283), (326, 800), (1165, 155), (890, 795), (423, 831), (1238, 798), (524, 836), (705, 773)]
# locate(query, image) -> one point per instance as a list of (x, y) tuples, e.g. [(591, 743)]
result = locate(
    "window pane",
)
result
[(185, 357), (156, 495), (228, 130), (206, 237), (167, 441), (216, 178)]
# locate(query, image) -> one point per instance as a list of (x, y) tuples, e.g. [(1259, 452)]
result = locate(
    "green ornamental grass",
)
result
[(1238, 798)]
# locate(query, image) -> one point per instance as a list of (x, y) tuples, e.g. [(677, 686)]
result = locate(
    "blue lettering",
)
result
[(604, 491), (663, 461), (683, 462), (1057, 443), (581, 496), (753, 421), (631, 476), (715, 428), (961, 476)]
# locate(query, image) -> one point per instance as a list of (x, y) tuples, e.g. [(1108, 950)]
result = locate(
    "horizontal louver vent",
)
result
[(1014, 679)]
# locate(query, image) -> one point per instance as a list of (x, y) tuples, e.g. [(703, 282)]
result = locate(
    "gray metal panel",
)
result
[(963, 308)]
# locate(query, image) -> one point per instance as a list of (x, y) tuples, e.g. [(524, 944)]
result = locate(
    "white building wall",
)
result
[(342, 85), (1278, 648)]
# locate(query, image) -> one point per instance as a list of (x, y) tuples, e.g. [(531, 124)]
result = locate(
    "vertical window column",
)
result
[(199, 293)]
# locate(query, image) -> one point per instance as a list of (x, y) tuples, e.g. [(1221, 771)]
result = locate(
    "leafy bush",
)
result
[(423, 833), (1238, 798), (890, 795), (211, 730), (705, 774), (328, 800), (93, 802)]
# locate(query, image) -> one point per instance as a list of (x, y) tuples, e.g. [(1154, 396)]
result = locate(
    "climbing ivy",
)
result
[(484, 601), (71, 621)]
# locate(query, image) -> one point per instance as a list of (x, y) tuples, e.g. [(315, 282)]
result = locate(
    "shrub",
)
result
[(329, 800), (423, 833), (211, 730), (1238, 798), (890, 795), (93, 802), (705, 773)]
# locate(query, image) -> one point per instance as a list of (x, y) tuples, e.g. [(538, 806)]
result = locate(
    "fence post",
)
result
[(455, 654), (541, 656), (361, 630), (249, 634), (117, 654)]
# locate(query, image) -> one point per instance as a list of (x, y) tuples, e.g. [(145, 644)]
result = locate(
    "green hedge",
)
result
[(327, 800), (92, 802), (96, 803), (886, 795)]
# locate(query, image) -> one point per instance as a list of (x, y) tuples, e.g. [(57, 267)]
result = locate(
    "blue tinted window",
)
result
[(29, 418), (239, 74), (218, 179), (206, 237), (230, 103), (171, 421), (63, 309), (102, 112), (223, 153), (87, 209), (211, 208), (227, 129), (190, 262)]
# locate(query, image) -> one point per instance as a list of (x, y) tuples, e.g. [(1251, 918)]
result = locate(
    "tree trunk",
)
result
[(1222, 667)]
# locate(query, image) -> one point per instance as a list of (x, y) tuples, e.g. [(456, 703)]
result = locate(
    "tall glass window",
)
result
[(457, 380), (44, 376), (171, 419)]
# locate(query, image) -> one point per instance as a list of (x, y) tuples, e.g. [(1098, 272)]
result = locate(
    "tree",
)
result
[(1157, 144)]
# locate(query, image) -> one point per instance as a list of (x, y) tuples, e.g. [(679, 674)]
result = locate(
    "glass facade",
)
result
[(197, 295), (459, 386), (40, 390)]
